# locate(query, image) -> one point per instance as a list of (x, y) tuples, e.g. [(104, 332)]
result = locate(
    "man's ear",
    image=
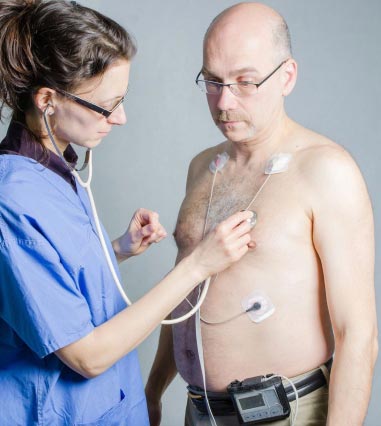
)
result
[(43, 99), (289, 75)]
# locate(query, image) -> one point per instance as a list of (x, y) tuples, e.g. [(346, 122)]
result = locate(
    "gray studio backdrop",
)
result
[(144, 164)]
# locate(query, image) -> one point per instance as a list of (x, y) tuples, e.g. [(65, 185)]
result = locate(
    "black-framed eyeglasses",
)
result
[(94, 107), (242, 88)]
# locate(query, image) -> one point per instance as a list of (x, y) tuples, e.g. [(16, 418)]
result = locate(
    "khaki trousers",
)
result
[(312, 411)]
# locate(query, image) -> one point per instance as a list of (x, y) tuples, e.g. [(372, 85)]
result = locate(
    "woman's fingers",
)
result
[(235, 220), (152, 234), (236, 226)]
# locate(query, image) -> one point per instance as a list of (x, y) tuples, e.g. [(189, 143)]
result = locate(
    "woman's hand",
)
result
[(224, 245), (143, 230)]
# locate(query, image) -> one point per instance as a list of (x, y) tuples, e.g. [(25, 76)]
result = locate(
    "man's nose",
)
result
[(226, 99)]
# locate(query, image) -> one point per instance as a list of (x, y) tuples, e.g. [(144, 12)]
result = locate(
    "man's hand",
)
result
[(143, 230)]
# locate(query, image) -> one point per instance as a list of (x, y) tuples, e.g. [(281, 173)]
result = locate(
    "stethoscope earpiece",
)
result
[(50, 107)]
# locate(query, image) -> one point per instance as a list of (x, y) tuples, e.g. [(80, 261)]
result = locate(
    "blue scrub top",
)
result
[(55, 287)]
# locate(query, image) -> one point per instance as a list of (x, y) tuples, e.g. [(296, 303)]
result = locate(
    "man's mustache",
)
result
[(229, 116)]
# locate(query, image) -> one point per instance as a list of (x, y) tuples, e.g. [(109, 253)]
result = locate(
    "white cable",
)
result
[(195, 309), (200, 352), (215, 322), (258, 192), (209, 204), (293, 420)]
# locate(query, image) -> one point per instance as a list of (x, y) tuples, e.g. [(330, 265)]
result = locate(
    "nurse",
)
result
[(67, 338)]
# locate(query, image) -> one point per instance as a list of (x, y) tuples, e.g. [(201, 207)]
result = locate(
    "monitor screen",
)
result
[(253, 401)]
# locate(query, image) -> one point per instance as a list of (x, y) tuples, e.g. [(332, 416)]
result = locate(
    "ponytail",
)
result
[(17, 63)]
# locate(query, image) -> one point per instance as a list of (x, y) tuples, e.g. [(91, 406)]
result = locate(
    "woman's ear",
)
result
[(43, 99)]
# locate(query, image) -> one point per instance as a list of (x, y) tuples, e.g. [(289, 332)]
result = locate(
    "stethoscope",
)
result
[(87, 186)]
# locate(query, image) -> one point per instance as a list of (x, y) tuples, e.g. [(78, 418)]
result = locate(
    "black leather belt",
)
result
[(221, 403)]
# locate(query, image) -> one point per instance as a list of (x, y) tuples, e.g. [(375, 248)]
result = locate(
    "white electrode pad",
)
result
[(219, 162), (258, 306), (278, 163)]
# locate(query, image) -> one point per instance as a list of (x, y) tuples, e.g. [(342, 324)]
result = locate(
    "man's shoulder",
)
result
[(316, 155), (326, 168), (202, 160)]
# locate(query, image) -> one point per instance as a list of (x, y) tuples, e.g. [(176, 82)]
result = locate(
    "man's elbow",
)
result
[(370, 346), (362, 341), (372, 342)]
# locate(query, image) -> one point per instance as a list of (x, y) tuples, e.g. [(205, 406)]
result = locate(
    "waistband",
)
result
[(222, 405)]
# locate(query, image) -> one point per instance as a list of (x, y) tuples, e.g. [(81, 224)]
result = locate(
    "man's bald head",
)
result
[(253, 19)]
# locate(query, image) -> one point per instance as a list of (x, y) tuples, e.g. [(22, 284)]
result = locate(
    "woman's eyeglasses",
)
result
[(105, 112)]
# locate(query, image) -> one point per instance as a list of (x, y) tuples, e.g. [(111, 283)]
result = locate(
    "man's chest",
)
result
[(277, 200)]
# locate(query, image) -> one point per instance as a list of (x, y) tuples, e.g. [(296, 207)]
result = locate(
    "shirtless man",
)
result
[(314, 251)]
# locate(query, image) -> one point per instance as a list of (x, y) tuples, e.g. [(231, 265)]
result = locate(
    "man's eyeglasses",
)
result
[(105, 112), (242, 88)]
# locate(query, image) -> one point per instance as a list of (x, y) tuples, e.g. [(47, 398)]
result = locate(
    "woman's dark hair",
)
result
[(55, 44)]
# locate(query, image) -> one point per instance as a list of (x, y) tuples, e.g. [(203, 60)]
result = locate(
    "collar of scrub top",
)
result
[(19, 141)]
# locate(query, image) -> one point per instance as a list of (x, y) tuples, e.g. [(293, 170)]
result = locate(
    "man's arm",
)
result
[(162, 373), (344, 239)]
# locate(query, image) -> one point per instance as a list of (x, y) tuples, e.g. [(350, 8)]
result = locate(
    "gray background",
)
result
[(337, 46)]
